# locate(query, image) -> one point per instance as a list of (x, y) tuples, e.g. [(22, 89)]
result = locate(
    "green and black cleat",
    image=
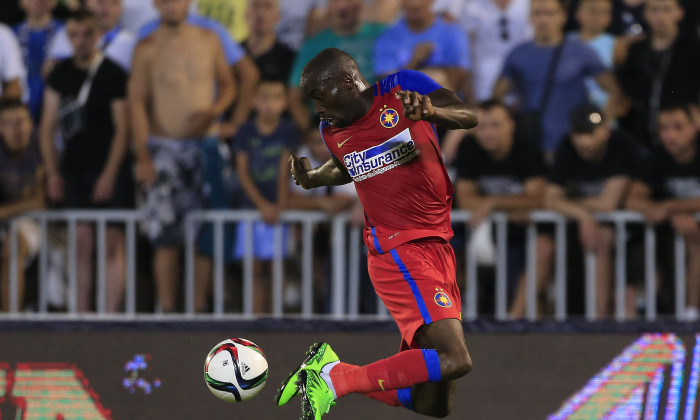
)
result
[(316, 397), (317, 356)]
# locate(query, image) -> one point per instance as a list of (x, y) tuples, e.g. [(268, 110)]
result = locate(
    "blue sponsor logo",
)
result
[(378, 159)]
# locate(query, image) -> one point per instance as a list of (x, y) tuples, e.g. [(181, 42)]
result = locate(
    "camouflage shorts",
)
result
[(178, 188)]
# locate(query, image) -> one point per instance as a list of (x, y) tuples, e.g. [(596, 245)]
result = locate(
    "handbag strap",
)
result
[(87, 84), (551, 72)]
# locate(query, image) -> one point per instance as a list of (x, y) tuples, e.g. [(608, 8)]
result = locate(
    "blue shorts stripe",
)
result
[(414, 288), (432, 362), (404, 397), (376, 241)]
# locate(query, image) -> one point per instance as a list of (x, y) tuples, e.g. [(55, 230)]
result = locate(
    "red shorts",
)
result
[(416, 281)]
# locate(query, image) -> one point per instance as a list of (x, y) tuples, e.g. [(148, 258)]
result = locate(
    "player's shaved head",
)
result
[(332, 80), (330, 66)]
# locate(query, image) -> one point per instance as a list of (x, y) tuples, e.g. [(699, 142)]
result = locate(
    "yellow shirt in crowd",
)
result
[(231, 14)]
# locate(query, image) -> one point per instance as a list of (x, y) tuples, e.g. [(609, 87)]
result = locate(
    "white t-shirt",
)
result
[(120, 47), (11, 64), (293, 16), (493, 34)]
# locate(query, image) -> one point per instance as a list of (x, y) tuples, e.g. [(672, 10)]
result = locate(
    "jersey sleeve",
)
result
[(409, 80)]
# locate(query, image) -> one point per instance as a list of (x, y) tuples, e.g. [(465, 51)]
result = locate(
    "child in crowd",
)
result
[(262, 146), (594, 16)]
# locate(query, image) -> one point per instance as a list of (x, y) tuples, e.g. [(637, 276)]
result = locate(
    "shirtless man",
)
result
[(180, 84)]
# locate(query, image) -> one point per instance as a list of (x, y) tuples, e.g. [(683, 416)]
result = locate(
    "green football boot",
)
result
[(316, 397), (319, 355)]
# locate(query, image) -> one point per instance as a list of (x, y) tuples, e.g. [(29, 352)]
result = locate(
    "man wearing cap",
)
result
[(591, 173)]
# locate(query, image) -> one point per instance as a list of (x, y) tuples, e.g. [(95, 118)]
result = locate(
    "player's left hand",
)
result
[(300, 166), (416, 107)]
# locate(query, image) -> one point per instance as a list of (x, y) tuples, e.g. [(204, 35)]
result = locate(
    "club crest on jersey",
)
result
[(381, 158), (441, 299), (389, 118)]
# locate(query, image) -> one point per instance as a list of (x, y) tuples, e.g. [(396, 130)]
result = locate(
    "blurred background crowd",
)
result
[(169, 106)]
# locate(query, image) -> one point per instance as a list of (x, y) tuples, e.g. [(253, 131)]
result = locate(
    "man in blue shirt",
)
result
[(527, 66), (421, 40), (34, 36)]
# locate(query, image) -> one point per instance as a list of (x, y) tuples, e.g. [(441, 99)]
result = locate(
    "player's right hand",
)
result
[(300, 168), (416, 107)]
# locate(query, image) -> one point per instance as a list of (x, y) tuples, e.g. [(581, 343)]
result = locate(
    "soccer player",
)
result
[(383, 138)]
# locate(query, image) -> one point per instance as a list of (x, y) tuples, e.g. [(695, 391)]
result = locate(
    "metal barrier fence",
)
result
[(346, 243)]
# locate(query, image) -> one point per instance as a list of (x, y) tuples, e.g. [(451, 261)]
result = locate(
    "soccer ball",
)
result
[(235, 370)]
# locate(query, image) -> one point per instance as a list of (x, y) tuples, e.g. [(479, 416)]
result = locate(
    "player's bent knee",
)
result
[(455, 364)]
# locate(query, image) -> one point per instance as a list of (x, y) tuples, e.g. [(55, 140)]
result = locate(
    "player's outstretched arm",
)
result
[(329, 174), (441, 107)]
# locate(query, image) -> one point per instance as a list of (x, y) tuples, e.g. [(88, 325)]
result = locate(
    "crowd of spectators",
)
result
[(170, 106)]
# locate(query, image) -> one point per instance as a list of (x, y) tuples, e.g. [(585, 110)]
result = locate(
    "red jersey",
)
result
[(397, 167)]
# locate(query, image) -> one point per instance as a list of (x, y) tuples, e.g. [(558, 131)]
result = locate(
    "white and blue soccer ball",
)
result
[(235, 370)]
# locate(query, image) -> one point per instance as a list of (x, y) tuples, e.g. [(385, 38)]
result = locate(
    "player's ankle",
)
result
[(325, 374)]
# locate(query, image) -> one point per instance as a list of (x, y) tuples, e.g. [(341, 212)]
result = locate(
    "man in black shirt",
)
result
[(663, 67), (273, 58), (85, 96), (499, 171), (591, 173), (668, 189)]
